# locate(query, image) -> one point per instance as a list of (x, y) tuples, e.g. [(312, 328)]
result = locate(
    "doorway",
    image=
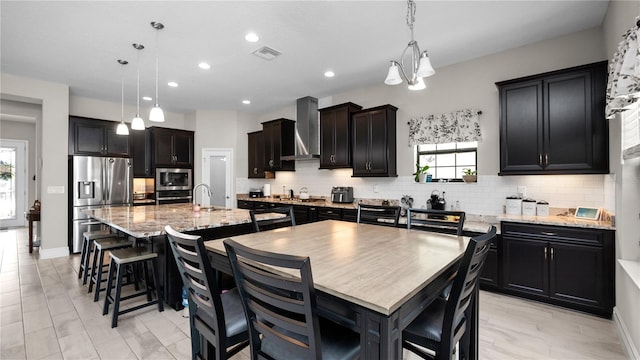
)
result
[(217, 172), (13, 182)]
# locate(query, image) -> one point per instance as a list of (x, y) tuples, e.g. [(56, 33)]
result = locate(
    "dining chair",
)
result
[(266, 224), (441, 325), (451, 222), (378, 215), (218, 317), (282, 311)]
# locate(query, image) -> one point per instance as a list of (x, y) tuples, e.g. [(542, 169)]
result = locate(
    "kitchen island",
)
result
[(146, 223)]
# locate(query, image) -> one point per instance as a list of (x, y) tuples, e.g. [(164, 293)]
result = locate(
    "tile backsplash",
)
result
[(486, 197)]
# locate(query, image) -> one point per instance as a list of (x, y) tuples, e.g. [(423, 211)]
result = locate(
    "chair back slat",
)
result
[(378, 215), (281, 310), (463, 289), (200, 283), (436, 220), (259, 225)]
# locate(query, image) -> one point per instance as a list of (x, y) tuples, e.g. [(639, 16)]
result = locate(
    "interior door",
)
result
[(217, 172), (13, 182)]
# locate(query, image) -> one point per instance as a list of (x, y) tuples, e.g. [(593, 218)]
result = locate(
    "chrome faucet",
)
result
[(195, 188)]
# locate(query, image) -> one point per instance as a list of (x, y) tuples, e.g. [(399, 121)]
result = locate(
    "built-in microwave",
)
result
[(173, 179)]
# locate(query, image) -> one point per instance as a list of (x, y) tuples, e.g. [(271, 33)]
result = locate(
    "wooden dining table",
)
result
[(370, 278)]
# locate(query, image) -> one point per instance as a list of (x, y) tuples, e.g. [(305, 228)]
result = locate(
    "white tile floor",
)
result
[(45, 313)]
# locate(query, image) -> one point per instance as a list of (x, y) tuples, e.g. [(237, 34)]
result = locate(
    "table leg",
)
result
[(30, 236)]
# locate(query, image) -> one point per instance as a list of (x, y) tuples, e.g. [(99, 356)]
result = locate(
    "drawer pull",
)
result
[(545, 253), (548, 233)]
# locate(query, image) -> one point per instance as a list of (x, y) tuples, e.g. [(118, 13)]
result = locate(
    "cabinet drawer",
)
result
[(329, 214), (244, 204), (593, 237)]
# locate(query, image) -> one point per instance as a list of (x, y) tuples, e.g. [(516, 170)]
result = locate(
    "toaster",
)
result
[(342, 194)]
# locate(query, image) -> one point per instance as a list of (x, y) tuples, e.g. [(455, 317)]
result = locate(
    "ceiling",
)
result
[(78, 43)]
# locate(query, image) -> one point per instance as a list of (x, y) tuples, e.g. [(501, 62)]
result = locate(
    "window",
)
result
[(446, 161)]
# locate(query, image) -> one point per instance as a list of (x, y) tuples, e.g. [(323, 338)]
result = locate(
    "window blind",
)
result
[(631, 132)]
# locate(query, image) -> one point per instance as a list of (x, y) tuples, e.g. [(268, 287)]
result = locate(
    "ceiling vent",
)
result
[(267, 53)]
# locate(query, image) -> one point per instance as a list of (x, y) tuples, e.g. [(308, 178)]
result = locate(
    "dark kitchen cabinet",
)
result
[(245, 204), (374, 142), (554, 123), (326, 213), (95, 137), (256, 156), (279, 140), (141, 153), (172, 147), (335, 135), (572, 267)]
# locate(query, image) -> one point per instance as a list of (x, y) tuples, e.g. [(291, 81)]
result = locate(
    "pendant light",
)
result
[(122, 128), (420, 63), (156, 114), (137, 123)]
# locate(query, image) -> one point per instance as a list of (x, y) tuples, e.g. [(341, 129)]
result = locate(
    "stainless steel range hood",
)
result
[(307, 130)]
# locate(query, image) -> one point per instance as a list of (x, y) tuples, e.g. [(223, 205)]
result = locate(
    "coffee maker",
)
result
[(436, 202)]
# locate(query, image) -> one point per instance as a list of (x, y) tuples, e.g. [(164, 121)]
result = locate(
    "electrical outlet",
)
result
[(375, 188), (55, 189)]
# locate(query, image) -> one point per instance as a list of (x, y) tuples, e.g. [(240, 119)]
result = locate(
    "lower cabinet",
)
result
[(572, 267), (489, 275)]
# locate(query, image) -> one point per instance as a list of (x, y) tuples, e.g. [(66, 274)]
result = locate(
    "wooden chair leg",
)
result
[(107, 298), (156, 283), (96, 252), (116, 299), (98, 271)]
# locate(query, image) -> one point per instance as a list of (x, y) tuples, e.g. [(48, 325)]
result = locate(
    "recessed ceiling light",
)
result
[(147, 98), (251, 37), (329, 73), (246, 102), (204, 65), (172, 84)]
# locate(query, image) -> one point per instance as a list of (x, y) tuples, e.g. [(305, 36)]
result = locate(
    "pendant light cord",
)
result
[(157, 61), (138, 83), (122, 94)]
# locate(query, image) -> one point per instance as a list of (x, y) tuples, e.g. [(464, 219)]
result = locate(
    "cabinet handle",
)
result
[(546, 159), (255, 170), (271, 162), (545, 253), (540, 159), (551, 253), (548, 233)]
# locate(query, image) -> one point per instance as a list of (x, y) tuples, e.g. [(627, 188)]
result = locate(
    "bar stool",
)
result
[(87, 247), (119, 260), (99, 247)]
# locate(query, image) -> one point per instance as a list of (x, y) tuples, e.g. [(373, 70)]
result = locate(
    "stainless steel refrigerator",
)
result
[(96, 182)]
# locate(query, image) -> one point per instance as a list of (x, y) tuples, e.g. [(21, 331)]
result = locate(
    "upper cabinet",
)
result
[(96, 138), (141, 153), (172, 148), (554, 123), (335, 135), (279, 141), (255, 152), (374, 142)]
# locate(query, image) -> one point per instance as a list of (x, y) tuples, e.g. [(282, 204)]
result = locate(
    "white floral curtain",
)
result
[(623, 87), (458, 126)]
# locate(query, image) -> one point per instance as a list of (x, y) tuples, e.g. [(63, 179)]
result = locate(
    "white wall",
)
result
[(620, 17), (466, 85), (52, 164)]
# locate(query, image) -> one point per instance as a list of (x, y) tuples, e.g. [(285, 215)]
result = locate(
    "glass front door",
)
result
[(13, 165)]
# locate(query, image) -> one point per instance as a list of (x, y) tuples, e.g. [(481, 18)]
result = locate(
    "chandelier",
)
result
[(420, 63)]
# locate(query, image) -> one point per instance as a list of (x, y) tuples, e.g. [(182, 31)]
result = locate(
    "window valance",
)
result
[(458, 126), (623, 86)]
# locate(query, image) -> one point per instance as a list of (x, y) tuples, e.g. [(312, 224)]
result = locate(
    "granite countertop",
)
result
[(312, 201), (560, 220), (150, 220)]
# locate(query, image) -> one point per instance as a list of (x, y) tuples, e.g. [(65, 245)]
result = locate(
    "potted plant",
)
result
[(469, 175), (421, 173)]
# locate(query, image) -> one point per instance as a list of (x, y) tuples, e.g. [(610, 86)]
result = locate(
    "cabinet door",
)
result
[(525, 267), (327, 139), (88, 138), (342, 140), (245, 204), (489, 274), (255, 155), (163, 147), (361, 143), (329, 214), (141, 153), (183, 148), (378, 147), (568, 122), (271, 146), (521, 137), (577, 274), (301, 214), (117, 145)]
